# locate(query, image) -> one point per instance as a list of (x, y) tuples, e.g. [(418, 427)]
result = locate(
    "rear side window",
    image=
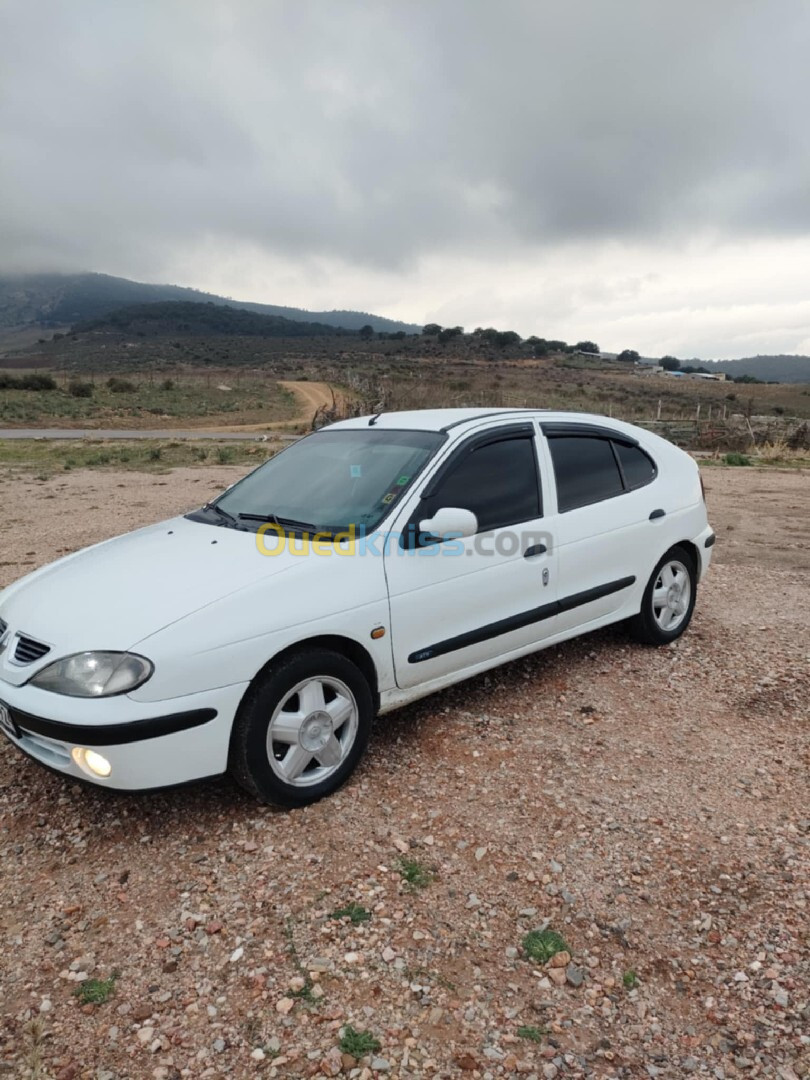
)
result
[(498, 482), (637, 468), (585, 469)]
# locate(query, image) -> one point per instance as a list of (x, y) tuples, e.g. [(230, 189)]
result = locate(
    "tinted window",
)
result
[(637, 468), (585, 470), (498, 482)]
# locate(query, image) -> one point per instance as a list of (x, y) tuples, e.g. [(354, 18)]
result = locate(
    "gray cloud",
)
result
[(385, 133)]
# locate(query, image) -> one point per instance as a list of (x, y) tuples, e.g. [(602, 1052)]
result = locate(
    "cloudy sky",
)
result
[(634, 171)]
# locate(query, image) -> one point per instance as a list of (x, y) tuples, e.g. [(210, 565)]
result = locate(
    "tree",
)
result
[(537, 345), (629, 356), (449, 333), (508, 337), (367, 332), (431, 330), (587, 346), (670, 363)]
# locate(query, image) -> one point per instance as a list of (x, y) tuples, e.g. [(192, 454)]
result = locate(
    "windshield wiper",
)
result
[(273, 519), (223, 514)]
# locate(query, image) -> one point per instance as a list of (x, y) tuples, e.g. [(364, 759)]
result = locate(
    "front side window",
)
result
[(332, 480), (498, 482)]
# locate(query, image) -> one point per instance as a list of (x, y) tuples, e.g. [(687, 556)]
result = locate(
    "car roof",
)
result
[(445, 419)]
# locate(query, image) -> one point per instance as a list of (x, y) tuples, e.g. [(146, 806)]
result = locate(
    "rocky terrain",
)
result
[(650, 808)]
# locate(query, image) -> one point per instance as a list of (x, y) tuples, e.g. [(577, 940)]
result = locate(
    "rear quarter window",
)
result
[(638, 468)]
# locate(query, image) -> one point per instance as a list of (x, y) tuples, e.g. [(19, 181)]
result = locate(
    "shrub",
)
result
[(358, 1043), (541, 945), (27, 382), (120, 386), (167, 384), (81, 389), (736, 459)]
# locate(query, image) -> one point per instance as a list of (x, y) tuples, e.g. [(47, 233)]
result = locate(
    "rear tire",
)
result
[(301, 728), (668, 601)]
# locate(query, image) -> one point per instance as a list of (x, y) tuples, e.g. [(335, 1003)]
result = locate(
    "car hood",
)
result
[(115, 594)]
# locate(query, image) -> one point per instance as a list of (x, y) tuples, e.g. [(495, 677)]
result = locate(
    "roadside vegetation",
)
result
[(142, 400), (46, 458)]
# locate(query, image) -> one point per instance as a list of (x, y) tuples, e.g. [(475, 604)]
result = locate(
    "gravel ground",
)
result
[(652, 806)]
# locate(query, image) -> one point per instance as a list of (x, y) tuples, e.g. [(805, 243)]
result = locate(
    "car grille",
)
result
[(27, 650)]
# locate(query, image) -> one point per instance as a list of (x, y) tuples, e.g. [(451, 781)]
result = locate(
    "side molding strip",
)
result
[(517, 622)]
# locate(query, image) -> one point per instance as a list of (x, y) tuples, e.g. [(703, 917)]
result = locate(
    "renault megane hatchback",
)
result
[(368, 564)]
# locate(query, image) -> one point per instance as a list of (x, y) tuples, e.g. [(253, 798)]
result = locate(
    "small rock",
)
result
[(237, 955), (574, 975), (258, 1054), (560, 959), (332, 1064), (284, 1005), (380, 1064)]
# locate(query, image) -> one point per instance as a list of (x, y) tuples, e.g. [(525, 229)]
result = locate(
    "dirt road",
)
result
[(311, 396), (652, 805)]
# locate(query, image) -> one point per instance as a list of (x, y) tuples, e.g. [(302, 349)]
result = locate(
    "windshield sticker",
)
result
[(403, 480), (356, 471)]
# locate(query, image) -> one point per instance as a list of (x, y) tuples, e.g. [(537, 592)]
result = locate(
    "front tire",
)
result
[(669, 600), (301, 728)]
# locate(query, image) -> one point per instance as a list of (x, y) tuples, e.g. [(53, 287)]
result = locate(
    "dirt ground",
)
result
[(652, 806)]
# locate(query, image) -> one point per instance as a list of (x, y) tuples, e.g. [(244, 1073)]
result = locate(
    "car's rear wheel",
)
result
[(302, 728), (669, 599)]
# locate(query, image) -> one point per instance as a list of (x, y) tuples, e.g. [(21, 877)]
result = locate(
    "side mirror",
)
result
[(449, 521)]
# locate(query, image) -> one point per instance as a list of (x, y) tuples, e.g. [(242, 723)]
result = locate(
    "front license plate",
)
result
[(7, 725)]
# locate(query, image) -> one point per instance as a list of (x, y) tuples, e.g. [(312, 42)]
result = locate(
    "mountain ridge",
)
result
[(51, 300), (771, 367)]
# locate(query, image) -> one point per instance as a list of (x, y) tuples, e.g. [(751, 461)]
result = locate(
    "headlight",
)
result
[(94, 674)]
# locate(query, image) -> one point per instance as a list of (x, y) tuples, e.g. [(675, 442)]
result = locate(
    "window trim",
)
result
[(505, 433)]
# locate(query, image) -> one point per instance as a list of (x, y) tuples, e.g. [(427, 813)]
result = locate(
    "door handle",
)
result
[(657, 514), (535, 549)]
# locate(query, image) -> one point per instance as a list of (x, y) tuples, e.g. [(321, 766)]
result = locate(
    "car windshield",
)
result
[(332, 480)]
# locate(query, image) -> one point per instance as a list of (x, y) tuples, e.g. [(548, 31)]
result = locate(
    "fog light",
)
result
[(91, 762)]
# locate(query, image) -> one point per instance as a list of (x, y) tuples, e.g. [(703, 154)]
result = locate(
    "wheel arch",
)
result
[(690, 547), (346, 646)]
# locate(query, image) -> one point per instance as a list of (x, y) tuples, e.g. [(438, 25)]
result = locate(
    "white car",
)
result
[(365, 566)]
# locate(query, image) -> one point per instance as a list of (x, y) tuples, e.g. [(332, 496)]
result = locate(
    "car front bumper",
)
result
[(147, 746)]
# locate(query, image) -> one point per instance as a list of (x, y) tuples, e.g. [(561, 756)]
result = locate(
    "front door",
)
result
[(462, 602)]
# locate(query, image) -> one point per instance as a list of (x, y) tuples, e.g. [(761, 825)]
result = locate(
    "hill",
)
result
[(177, 318), (783, 369), (58, 300)]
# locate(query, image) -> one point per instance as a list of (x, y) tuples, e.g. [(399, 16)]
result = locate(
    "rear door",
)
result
[(465, 601), (607, 520)]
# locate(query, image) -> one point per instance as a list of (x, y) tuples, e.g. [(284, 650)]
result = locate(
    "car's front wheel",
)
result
[(669, 599), (302, 728)]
